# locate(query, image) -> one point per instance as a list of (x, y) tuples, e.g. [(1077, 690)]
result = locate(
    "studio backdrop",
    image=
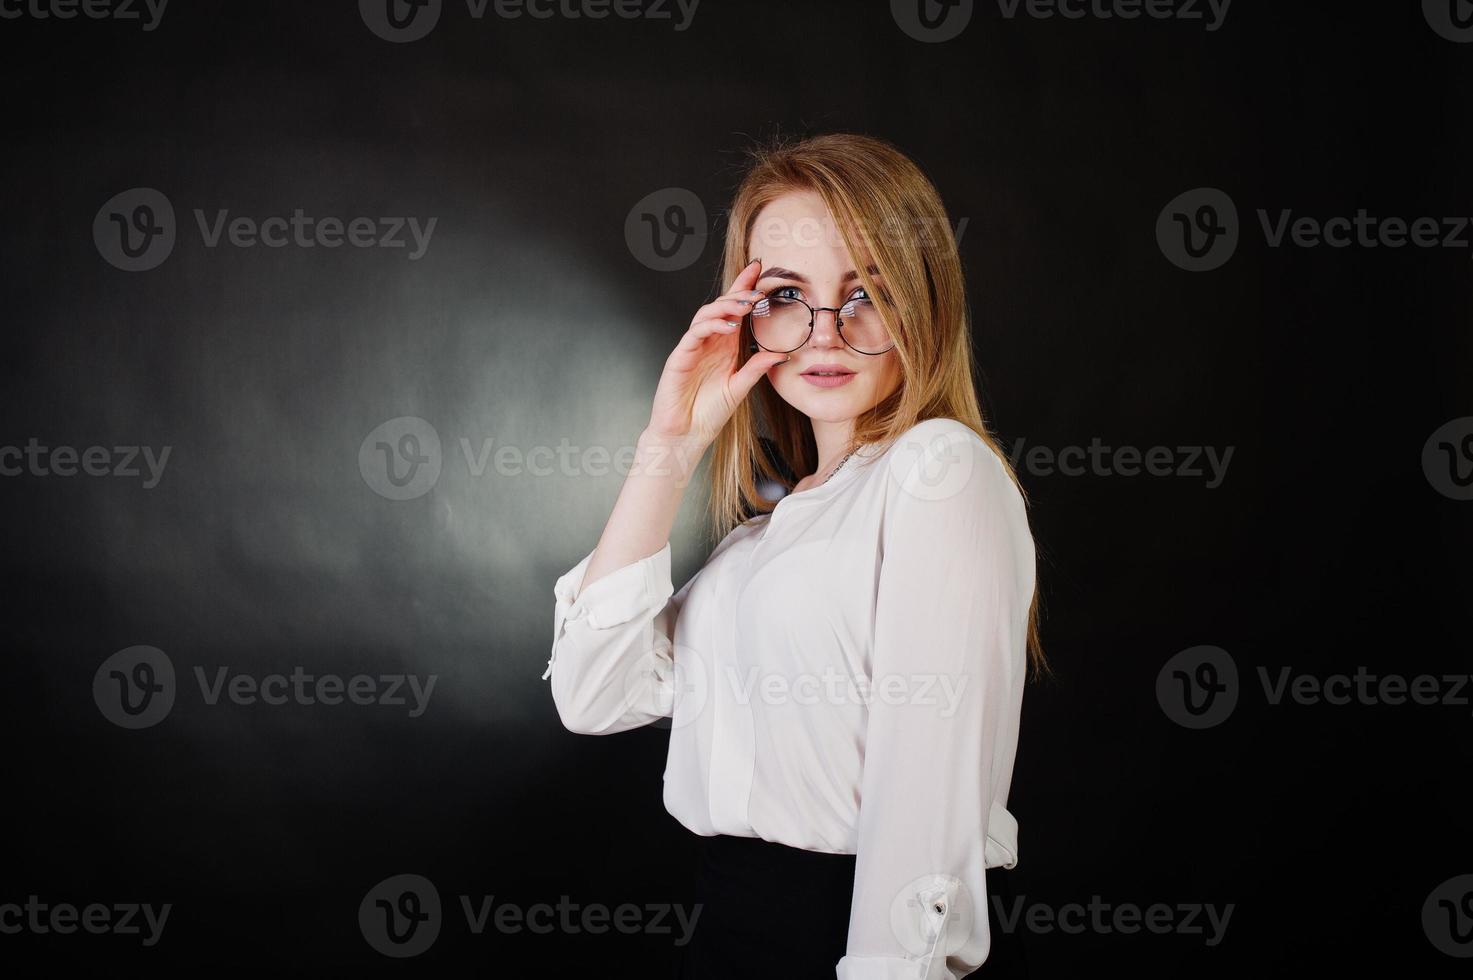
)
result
[(328, 332)]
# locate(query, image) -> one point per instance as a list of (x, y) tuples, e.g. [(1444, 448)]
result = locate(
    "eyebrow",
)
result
[(778, 272)]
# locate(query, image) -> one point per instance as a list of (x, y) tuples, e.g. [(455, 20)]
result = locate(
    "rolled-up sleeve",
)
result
[(612, 664), (949, 658)]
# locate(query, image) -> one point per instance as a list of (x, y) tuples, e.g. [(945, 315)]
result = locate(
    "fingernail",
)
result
[(746, 302), (731, 323)]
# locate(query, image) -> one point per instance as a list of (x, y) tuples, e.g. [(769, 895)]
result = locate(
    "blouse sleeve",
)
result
[(955, 583), (612, 665)]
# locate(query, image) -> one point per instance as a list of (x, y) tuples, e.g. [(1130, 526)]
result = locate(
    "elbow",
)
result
[(580, 724), (578, 713)]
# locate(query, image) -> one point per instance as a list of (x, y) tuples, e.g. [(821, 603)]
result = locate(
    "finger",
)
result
[(757, 365), (726, 309), (747, 278), (704, 328), (742, 293)]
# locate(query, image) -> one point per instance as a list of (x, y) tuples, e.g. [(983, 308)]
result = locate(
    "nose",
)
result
[(825, 330)]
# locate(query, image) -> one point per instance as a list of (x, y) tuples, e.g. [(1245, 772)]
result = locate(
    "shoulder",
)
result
[(944, 457), (947, 486)]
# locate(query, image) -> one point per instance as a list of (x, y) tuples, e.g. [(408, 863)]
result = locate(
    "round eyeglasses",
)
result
[(782, 322)]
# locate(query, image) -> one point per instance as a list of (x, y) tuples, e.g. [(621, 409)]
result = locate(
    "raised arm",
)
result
[(614, 618)]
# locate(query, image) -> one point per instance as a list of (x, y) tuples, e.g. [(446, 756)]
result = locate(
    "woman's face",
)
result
[(803, 255)]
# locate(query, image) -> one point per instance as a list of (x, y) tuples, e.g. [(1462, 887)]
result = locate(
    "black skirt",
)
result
[(773, 912)]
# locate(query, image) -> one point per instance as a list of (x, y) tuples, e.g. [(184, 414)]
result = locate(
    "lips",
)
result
[(828, 369), (827, 375)]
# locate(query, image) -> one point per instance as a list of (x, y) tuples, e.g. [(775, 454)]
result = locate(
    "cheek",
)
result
[(889, 374)]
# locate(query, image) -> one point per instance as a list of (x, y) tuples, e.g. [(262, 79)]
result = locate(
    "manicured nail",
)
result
[(731, 323)]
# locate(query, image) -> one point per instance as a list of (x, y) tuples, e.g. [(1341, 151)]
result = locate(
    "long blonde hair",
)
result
[(885, 207)]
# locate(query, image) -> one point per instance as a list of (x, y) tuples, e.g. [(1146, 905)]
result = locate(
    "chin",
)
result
[(826, 406)]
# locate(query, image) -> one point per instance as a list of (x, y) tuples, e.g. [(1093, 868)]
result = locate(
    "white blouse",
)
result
[(844, 674)]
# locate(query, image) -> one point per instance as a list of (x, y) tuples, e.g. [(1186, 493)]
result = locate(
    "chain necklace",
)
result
[(840, 466)]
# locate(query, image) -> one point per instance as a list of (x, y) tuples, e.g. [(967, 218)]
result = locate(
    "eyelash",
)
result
[(859, 293)]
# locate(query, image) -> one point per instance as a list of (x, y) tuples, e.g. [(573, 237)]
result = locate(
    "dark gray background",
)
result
[(530, 321)]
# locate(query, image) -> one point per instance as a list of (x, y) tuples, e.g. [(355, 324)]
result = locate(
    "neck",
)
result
[(832, 440)]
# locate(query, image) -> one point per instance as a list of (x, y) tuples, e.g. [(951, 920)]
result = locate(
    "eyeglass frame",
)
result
[(813, 312)]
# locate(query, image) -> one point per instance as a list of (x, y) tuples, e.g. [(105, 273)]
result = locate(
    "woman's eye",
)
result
[(859, 296), (785, 293)]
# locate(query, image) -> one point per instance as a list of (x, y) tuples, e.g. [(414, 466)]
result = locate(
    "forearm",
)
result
[(648, 503)]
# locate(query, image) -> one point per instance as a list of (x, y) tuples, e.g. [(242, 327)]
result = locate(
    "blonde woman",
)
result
[(844, 675)]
